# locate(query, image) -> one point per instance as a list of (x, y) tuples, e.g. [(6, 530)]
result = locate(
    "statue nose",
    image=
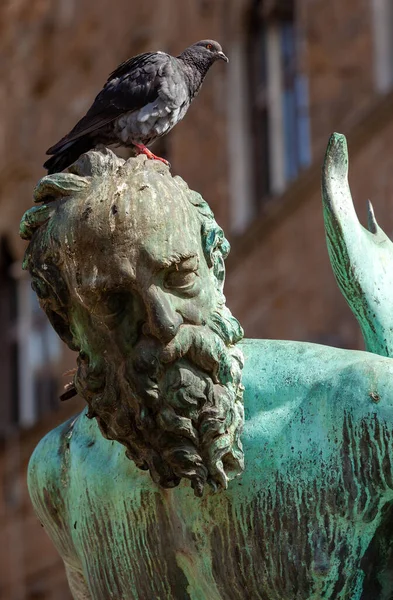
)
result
[(163, 320)]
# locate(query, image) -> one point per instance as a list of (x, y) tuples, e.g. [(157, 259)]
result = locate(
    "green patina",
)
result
[(310, 516), (361, 259)]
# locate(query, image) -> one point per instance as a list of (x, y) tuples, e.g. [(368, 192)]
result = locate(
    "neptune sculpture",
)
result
[(207, 466)]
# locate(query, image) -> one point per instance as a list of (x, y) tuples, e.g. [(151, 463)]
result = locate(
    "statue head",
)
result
[(128, 264)]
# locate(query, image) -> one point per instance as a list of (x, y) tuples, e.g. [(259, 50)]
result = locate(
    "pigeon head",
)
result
[(203, 54), (210, 49)]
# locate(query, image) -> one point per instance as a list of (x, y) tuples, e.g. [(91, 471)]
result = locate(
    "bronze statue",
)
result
[(294, 501)]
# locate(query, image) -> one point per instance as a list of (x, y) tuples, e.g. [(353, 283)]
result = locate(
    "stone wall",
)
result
[(339, 57)]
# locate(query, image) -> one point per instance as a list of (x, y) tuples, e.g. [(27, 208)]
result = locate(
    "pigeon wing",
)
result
[(134, 83)]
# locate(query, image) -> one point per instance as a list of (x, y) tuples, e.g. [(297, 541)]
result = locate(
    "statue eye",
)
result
[(180, 280), (182, 277), (110, 306)]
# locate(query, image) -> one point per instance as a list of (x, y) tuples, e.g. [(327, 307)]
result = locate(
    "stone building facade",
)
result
[(252, 144)]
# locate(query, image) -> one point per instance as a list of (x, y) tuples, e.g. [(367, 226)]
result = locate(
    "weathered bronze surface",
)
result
[(128, 265)]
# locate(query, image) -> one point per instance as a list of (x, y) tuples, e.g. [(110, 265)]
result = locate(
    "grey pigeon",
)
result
[(142, 100)]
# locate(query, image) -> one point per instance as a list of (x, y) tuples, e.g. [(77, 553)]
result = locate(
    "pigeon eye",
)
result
[(209, 46)]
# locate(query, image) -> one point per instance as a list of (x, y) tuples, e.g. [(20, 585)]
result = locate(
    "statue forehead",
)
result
[(144, 213), (154, 212)]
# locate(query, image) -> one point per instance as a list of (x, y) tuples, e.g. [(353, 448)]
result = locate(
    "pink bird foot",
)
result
[(143, 150)]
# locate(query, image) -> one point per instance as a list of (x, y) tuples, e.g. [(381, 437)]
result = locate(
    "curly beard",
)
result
[(176, 408)]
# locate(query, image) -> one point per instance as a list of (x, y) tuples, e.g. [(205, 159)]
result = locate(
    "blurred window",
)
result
[(30, 351), (382, 11), (9, 412), (38, 356), (279, 98)]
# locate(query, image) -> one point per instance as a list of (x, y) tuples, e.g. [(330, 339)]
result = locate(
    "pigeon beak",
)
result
[(222, 56)]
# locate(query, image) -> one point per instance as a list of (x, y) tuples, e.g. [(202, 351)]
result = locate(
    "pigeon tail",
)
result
[(68, 155)]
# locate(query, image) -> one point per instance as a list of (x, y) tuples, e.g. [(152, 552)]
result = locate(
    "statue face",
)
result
[(141, 267), (131, 274)]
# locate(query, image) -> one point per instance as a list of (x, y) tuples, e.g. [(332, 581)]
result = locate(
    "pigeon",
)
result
[(142, 100)]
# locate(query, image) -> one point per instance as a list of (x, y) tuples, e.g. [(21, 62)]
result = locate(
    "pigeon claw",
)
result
[(143, 150)]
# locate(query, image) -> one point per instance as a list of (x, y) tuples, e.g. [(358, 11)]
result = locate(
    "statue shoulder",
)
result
[(46, 460), (280, 372), (48, 475)]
